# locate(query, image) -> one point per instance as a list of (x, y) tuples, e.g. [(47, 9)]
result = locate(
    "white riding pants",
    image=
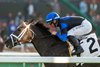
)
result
[(82, 29)]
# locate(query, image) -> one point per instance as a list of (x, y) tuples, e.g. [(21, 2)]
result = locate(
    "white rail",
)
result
[(17, 54), (30, 58)]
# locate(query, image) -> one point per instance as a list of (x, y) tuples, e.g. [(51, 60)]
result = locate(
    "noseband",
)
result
[(18, 37)]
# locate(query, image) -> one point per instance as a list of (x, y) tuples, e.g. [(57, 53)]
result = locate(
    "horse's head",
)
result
[(23, 34)]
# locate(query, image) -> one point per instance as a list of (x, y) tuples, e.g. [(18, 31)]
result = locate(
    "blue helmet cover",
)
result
[(52, 16)]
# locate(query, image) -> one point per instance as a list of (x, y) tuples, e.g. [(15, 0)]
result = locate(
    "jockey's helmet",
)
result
[(52, 16)]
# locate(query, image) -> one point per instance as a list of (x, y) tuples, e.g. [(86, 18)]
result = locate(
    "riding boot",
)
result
[(75, 43)]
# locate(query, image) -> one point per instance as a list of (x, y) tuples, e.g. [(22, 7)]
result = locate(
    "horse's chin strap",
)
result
[(27, 27)]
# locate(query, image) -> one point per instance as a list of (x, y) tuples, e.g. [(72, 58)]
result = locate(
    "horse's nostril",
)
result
[(30, 37), (9, 46)]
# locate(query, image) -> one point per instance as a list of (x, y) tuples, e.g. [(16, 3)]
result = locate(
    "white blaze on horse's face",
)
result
[(25, 35)]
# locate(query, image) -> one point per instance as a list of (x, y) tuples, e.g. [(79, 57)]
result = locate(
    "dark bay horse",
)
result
[(44, 42)]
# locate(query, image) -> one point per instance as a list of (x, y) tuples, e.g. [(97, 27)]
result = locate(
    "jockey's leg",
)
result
[(75, 43), (80, 30)]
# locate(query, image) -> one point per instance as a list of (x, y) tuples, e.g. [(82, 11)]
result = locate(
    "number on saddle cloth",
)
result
[(90, 45)]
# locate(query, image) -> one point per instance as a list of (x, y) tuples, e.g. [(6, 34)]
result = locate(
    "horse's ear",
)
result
[(21, 21), (24, 24)]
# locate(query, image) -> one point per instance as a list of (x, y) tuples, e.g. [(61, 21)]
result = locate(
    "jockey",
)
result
[(70, 27)]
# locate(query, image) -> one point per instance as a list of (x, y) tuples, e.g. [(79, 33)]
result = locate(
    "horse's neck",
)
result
[(48, 46), (40, 43)]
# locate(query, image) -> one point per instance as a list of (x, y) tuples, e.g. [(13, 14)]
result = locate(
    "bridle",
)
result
[(22, 33)]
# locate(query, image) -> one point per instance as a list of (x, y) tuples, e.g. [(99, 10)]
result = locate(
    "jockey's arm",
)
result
[(63, 35)]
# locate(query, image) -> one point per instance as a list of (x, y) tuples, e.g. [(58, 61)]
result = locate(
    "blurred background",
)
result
[(12, 11)]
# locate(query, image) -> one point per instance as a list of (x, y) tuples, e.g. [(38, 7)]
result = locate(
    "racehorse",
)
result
[(44, 42)]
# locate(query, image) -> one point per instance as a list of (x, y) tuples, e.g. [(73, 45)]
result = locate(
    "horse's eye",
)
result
[(19, 29)]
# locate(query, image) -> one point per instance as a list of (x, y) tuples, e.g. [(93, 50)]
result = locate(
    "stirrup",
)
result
[(75, 53)]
